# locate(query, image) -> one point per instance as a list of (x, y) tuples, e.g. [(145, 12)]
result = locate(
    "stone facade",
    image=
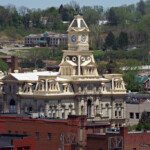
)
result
[(76, 89)]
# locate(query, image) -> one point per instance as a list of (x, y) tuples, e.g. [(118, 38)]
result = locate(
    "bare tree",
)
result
[(23, 10)]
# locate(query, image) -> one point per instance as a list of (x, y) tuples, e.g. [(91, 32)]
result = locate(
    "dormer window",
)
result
[(82, 24), (75, 24)]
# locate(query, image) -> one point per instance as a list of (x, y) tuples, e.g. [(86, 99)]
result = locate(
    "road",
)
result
[(8, 51)]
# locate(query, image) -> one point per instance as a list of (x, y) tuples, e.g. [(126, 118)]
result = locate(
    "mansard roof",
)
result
[(30, 76), (78, 23)]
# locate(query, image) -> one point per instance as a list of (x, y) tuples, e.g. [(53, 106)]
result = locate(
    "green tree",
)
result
[(112, 67), (99, 9), (141, 7), (90, 15), (123, 40), (144, 122), (3, 66), (95, 36), (110, 40), (129, 74), (112, 17), (145, 118), (102, 67), (139, 127)]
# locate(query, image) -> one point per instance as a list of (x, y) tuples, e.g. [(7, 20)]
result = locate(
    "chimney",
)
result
[(14, 63)]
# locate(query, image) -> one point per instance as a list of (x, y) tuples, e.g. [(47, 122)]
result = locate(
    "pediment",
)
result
[(9, 77), (68, 63), (88, 63)]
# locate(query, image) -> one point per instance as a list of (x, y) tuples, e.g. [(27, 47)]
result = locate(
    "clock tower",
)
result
[(78, 35), (78, 61)]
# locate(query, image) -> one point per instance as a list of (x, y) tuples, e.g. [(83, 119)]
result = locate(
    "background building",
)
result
[(136, 104), (46, 39)]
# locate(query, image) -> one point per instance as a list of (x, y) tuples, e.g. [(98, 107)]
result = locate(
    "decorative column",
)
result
[(46, 85), (47, 108), (18, 106), (66, 111), (79, 73), (85, 107), (59, 109), (112, 83), (92, 109), (100, 106), (124, 109), (113, 109), (73, 110), (79, 107)]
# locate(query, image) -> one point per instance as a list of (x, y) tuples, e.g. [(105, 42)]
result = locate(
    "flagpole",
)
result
[(148, 59)]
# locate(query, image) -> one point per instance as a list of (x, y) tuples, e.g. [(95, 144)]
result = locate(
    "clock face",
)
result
[(73, 38), (83, 38)]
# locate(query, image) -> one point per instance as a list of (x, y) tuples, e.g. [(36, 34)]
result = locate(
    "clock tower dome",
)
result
[(78, 35)]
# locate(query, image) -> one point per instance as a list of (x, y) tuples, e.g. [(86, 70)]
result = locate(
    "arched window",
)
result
[(25, 109), (12, 106), (119, 110), (82, 110), (41, 109), (115, 110), (89, 108), (30, 109)]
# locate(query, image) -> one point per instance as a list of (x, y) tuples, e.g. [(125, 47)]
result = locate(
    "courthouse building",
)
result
[(76, 89)]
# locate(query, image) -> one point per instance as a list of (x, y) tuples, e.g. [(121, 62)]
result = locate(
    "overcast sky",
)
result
[(56, 3)]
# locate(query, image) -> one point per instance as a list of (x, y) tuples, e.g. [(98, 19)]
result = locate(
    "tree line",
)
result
[(130, 21)]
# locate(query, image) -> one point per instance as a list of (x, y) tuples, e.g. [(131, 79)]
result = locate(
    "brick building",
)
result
[(119, 140), (52, 133), (16, 142)]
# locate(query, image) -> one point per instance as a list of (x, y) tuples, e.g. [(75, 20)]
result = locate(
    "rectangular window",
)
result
[(9, 132), (37, 135), (1, 108), (49, 136), (131, 115), (25, 109), (81, 134), (137, 115), (25, 133), (27, 148)]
